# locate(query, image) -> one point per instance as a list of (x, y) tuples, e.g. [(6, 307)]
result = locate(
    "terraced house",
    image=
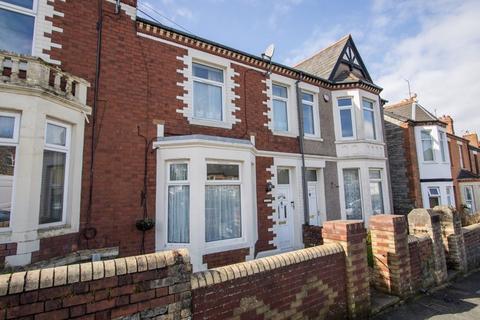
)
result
[(109, 121)]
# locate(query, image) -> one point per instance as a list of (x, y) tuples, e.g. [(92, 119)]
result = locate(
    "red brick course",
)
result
[(7, 249), (224, 258)]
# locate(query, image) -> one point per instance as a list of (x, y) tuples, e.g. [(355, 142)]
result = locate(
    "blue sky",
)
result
[(434, 44)]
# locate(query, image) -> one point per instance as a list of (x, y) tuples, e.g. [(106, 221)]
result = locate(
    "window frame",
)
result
[(450, 197), (63, 149), (222, 85), (438, 196), (442, 139), (239, 183), (12, 142), (374, 122), (460, 156), (317, 134), (380, 181), (352, 116), (25, 11), (359, 171), (287, 107), (422, 140), (169, 183), (472, 200)]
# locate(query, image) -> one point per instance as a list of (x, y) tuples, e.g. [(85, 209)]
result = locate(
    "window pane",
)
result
[(344, 102), (56, 135), (178, 214), (376, 194), (442, 146), (217, 171), (308, 126), (208, 73), (367, 104), (311, 175), (307, 97), (16, 32), (369, 123), (7, 126), (434, 201), (353, 198), (207, 101), (279, 91), (280, 118), (346, 122), (427, 145), (7, 163), (283, 176), (434, 191), (53, 186), (21, 3), (375, 174), (426, 135), (222, 213), (178, 172)]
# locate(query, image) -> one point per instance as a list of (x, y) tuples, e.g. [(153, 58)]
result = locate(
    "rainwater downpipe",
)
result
[(301, 140)]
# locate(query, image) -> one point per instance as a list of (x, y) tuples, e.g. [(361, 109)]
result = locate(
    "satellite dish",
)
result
[(269, 52)]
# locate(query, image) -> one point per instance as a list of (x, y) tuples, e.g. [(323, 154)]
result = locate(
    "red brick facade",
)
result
[(7, 249), (219, 259)]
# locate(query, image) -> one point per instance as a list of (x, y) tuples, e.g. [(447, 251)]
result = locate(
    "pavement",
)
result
[(460, 300)]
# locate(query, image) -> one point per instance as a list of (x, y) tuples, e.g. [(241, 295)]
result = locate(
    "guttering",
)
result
[(301, 140), (251, 56)]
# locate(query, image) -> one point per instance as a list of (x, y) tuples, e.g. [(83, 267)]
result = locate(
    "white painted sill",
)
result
[(210, 123)]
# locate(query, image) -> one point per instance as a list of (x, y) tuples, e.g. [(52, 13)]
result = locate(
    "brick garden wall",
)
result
[(6, 249), (471, 235), (421, 262), (142, 287), (305, 284)]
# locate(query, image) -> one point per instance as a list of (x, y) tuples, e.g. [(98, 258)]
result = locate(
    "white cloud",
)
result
[(441, 62), (280, 9)]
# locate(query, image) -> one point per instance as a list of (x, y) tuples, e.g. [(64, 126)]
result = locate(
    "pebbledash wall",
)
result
[(328, 281), (145, 82)]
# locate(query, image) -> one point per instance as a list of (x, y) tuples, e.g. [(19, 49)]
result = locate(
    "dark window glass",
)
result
[(217, 171), (53, 186)]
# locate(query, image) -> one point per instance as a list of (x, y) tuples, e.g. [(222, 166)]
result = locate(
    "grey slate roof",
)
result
[(464, 174), (410, 109), (322, 63)]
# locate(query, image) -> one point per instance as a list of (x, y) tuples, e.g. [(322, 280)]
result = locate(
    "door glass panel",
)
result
[(283, 176)]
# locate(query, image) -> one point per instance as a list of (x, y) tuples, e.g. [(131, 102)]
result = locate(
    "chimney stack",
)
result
[(472, 138), (449, 121)]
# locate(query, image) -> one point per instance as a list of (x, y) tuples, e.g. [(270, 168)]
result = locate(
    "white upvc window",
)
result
[(55, 168), (308, 108), (450, 201), (469, 199), (18, 25), (460, 153), (280, 108), (434, 196), (345, 107), (223, 214), (178, 203), (9, 128), (427, 145), (353, 193), (208, 92), (376, 190), (369, 119), (443, 147)]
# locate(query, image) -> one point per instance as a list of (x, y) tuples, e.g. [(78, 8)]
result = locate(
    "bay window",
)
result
[(346, 118), (17, 27), (178, 203), (280, 108), (369, 120), (308, 116), (223, 219), (376, 191), (353, 195), (53, 193), (208, 92), (9, 125), (427, 145), (434, 197)]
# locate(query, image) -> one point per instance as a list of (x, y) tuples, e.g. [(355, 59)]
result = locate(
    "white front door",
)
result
[(284, 211), (314, 212)]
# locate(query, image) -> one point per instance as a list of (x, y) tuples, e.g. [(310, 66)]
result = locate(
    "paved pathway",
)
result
[(461, 300)]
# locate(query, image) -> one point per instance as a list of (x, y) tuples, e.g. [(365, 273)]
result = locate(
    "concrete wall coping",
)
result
[(413, 238), (471, 227), (244, 269), (13, 283)]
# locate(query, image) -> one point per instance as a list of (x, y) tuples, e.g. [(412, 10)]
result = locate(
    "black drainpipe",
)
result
[(301, 140)]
